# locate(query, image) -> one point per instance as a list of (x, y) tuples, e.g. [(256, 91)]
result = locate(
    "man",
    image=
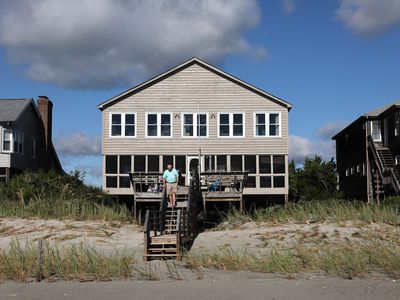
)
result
[(170, 177)]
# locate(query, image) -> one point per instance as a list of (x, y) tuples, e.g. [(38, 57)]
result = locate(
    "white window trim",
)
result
[(231, 125), (380, 131), (267, 135), (122, 136), (159, 136), (11, 141), (195, 127)]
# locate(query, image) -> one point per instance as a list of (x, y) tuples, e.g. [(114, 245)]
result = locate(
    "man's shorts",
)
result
[(172, 188)]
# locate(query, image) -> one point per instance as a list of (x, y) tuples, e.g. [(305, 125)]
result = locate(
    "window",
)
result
[(231, 125), (236, 163), (376, 131), (140, 163), (194, 125), (221, 163), (153, 163), (358, 169), (7, 140), (111, 164), (124, 182), (125, 164), (279, 164), (264, 162), (209, 163), (250, 163), (33, 147), (397, 123), (267, 124), (251, 182), (18, 142), (159, 125), (265, 181), (123, 124), (352, 170), (180, 163), (167, 159), (347, 171), (111, 181), (279, 181)]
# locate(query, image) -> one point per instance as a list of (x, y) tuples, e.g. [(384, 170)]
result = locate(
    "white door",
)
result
[(192, 162)]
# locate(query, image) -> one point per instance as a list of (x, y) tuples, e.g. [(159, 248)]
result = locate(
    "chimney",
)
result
[(45, 107)]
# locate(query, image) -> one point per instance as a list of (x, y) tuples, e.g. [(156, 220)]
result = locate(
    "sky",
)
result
[(332, 59)]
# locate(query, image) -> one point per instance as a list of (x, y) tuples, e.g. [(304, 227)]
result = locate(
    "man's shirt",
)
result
[(171, 176)]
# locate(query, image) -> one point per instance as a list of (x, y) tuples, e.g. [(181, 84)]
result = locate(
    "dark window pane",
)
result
[(279, 164), (188, 119), (116, 130), (152, 130), (111, 164), (260, 118), (111, 181), (264, 163), (165, 130), (153, 163), (188, 130), (3, 171), (202, 130), (124, 164), (274, 119), (237, 119), (236, 163), (273, 130), (140, 165), (221, 163), (129, 130), (124, 182), (224, 130), (224, 119), (251, 182), (209, 163), (180, 164), (265, 181), (152, 119), (129, 119), (237, 130), (250, 163), (279, 181), (165, 119), (116, 119), (202, 119), (260, 130), (167, 159)]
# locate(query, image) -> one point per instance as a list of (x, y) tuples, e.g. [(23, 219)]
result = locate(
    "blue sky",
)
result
[(332, 59)]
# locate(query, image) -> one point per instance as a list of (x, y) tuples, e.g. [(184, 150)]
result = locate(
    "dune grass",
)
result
[(76, 262), (318, 211), (348, 260)]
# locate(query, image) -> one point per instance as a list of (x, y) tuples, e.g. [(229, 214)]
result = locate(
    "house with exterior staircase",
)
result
[(368, 155)]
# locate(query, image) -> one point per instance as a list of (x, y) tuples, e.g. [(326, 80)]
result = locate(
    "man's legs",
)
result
[(173, 199)]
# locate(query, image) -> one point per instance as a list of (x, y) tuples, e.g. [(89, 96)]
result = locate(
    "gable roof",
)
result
[(183, 66), (372, 114), (11, 109)]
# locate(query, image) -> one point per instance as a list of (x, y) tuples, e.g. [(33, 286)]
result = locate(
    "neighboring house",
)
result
[(26, 137), (193, 110), (368, 155)]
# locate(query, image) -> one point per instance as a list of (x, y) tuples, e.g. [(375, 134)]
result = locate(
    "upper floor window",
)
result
[(194, 125), (376, 131), (7, 140), (18, 142), (231, 125), (33, 147), (123, 124), (159, 125), (397, 123), (267, 124)]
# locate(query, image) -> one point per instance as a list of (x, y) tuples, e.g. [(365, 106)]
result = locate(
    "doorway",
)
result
[(192, 162)]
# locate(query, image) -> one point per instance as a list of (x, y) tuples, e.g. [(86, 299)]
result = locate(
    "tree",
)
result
[(316, 179)]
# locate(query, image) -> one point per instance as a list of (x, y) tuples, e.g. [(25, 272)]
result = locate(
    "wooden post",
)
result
[(39, 275)]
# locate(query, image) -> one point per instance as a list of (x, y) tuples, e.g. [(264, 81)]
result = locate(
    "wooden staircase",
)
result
[(169, 230)]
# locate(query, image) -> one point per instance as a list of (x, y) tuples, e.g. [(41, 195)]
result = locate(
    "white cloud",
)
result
[(288, 6), (77, 144), (328, 130), (301, 147), (94, 171), (107, 43), (369, 17)]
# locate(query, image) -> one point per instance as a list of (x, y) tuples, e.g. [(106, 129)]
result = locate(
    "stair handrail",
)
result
[(163, 208), (194, 190), (395, 181), (379, 163), (147, 230)]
